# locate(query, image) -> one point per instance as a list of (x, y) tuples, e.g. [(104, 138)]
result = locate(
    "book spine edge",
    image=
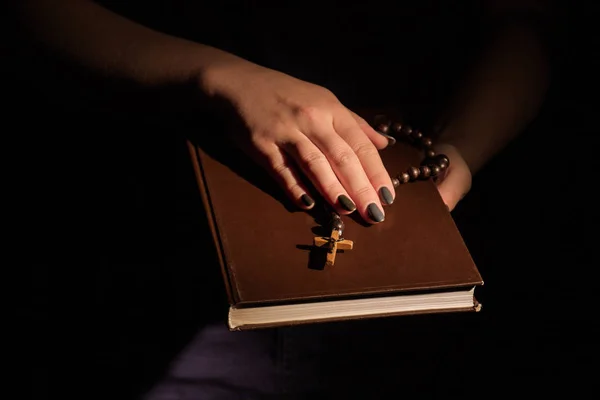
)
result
[(197, 164)]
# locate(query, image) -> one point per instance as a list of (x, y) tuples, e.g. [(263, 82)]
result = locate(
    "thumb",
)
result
[(454, 184), (448, 187), (456, 180), (452, 187)]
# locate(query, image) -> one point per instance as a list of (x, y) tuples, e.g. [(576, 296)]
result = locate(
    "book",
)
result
[(414, 262)]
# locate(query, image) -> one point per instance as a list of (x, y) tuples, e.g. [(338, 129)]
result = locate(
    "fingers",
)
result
[(282, 168), (318, 168), (369, 159), (338, 154), (380, 141), (337, 169)]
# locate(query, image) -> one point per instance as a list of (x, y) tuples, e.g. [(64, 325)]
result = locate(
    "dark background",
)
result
[(105, 224)]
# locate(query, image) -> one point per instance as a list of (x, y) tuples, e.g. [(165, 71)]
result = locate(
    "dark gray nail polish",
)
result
[(307, 200), (391, 139), (386, 196), (346, 203), (375, 213)]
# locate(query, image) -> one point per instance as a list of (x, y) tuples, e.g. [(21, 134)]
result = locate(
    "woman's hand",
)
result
[(455, 183), (296, 128)]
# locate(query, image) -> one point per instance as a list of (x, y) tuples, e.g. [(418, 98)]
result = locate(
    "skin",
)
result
[(498, 101), (297, 128)]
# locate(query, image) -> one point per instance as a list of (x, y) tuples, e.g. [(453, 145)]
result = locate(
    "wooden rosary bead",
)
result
[(382, 123), (442, 161), (426, 142), (383, 128), (397, 127), (404, 177), (435, 170), (433, 164), (424, 172), (414, 173)]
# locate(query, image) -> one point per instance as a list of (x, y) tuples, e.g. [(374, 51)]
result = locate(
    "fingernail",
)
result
[(346, 203), (375, 213), (307, 200), (386, 196), (391, 139)]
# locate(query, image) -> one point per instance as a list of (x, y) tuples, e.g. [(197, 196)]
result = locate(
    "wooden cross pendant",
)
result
[(333, 243)]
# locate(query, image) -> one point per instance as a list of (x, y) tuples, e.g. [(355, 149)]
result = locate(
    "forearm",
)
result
[(500, 97), (115, 47)]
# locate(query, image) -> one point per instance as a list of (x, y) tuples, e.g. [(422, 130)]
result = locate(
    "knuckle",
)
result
[(280, 135), (276, 125), (321, 90), (260, 138), (277, 166), (268, 134), (328, 94), (342, 158), (279, 127), (313, 158), (310, 113), (365, 150)]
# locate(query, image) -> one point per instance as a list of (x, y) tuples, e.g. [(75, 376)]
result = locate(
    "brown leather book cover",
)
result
[(265, 245)]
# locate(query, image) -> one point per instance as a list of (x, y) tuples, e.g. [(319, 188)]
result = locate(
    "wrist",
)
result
[(223, 70)]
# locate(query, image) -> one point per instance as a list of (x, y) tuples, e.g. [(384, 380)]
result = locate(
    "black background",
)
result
[(103, 226)]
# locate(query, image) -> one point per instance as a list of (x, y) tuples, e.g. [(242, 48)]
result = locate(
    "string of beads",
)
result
[(433, 164)]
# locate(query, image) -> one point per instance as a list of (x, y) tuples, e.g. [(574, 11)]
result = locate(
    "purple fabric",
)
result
[(219, 364), (340, 359)]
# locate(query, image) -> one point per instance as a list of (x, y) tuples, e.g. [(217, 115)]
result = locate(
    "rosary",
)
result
[(433, 164)]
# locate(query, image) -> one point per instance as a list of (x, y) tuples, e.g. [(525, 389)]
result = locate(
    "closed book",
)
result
[(412, 263)]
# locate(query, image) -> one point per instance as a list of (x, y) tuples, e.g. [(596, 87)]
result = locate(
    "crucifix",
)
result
[(335, 241)]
